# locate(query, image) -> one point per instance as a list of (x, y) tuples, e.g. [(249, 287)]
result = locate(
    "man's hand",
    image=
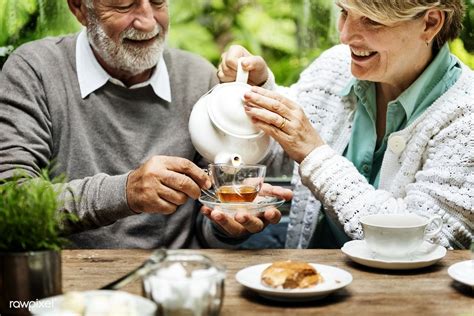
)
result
[(255, 65), (163, 183), (243, 224)]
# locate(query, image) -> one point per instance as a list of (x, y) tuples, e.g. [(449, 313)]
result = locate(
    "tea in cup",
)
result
[(242, 193), (398, 235), (237, 184)]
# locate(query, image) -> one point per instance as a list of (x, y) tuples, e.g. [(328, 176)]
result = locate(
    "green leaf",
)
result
[(195, 38), (217, 4), (55, 18), (14, 15), (247, 39), (184, 11), (279, 34)]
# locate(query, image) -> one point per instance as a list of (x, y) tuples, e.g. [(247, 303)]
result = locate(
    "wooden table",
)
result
[(428, 291)]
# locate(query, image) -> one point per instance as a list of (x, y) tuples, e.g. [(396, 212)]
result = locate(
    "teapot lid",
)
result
[(226, 107)]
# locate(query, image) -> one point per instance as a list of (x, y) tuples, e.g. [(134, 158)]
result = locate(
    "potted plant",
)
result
[(30, 241)]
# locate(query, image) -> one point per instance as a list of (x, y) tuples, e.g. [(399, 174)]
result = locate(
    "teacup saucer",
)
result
[(463, 272), (334, 279), (260, 205), (427, 255)]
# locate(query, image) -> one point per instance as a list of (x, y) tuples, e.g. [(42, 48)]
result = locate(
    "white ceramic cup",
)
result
[(398, 235)]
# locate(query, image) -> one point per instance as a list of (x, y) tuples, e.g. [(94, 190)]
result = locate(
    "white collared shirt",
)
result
[(92, 76)]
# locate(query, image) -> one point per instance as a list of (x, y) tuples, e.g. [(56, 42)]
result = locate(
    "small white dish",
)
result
[(105, 300), (334, 279), (425, 256), (463, 272), (260, 205)]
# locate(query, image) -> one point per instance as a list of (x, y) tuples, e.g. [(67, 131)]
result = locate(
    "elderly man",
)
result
[(103, 102)]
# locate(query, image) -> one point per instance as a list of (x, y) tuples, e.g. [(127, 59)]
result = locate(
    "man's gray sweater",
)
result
[(96, 141)]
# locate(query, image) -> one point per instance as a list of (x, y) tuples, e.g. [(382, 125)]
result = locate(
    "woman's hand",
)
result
[(283, 120), (255, 65), (243, 224)]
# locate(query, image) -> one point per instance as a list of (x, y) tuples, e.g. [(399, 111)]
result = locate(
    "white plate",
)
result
[(260, 205), (334, 279), (427, 255), (51, 306), (463, 272)]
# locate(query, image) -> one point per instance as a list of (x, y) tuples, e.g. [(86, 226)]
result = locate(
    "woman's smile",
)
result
[(360, 55)]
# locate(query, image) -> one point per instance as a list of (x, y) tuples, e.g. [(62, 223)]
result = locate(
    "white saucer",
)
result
[(334, 279), (463, 272), (427, 255), (260, 205)]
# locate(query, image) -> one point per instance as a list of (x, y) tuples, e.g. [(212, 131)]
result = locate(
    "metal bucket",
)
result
[(26, 277)]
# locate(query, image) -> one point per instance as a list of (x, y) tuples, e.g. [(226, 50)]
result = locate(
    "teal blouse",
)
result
[(362, 149)]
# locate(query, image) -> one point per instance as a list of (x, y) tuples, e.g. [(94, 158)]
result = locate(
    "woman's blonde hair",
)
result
[(391, 11)]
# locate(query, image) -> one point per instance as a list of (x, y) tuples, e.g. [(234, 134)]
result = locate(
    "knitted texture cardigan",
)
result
[(428, 168)]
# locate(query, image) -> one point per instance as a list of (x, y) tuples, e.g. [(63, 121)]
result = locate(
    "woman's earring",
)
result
[(427, 43)]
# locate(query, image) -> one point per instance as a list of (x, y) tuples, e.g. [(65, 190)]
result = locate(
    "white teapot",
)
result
[(220, 129)]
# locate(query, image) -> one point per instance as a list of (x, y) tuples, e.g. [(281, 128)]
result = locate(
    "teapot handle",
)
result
[(242, 75)]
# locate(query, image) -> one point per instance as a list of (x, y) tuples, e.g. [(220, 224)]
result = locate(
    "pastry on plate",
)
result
[(291, 275)]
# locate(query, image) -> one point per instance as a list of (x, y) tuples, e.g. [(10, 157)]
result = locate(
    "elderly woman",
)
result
[(381, 124)]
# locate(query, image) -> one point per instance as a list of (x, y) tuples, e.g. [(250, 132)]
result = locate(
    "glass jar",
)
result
[(185, 284)]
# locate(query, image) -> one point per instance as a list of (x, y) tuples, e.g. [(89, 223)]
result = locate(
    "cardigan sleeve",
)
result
[(443, 185)]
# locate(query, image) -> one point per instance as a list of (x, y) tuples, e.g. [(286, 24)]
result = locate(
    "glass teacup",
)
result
[(236, 184)]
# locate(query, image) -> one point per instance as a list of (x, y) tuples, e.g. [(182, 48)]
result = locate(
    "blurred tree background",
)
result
[(288, 33)]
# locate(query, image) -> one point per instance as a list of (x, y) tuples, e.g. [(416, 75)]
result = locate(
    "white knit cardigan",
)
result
[(428, 168)]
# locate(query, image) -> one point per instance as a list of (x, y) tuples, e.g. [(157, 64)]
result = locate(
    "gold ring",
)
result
[(282, 123)]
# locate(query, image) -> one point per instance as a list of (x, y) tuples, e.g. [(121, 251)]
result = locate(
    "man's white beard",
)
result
[(123, 56)]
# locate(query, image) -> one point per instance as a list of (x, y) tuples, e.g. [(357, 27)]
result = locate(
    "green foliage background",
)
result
[(287, 33)]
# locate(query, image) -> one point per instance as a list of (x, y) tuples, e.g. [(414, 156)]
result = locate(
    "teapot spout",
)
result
[(228, 158)]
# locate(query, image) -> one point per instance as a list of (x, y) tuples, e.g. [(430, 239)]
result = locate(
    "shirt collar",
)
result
[(92, 76), (359, 87), (425, 83), (347, 88)]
